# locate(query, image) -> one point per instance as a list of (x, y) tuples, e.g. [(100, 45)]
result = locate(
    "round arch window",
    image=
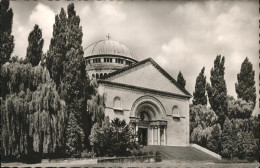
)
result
[(117, 103), (175, 112)]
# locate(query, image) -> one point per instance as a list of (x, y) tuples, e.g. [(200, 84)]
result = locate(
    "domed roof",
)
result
[(108, 47)]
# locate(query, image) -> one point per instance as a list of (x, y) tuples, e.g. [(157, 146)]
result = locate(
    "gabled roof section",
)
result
[(161, 70)]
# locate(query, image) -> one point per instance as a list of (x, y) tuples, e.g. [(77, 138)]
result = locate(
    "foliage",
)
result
[(214, 141), (247, 145), (180, 80), (203, 116), (56, 59), (35, 44), (201, 135), (6, 37), (113, 139), (67, 68), (229, 148), (237, 143), (245, 87), (77, 87), (199, 96), (74, 137), (18, 77), (96, 108), (33, 114), (217, 91), (202, 121), (239, 108)]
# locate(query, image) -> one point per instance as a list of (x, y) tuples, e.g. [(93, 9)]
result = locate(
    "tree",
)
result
[(113, 139), (74, 137), (217, 91), (180, 80), (201, 135), (95, 114), (33, 114), (56, 55), (203, 116), (247, 146), (214, 142), (35, 44), (67, 68), (245, 87), (229, 147), (239, 108), (6, 39), (199, 96), (75, 78)]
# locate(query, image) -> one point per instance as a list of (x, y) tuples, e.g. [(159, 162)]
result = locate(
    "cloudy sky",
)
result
[(179, 35)]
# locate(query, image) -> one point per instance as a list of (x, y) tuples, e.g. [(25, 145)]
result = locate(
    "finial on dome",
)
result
[(108, 37)]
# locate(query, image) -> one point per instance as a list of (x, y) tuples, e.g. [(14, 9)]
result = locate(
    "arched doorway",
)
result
[(149, 119), (143, 126)]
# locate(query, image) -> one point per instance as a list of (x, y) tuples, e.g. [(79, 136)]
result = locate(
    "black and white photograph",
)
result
[(127, 83)]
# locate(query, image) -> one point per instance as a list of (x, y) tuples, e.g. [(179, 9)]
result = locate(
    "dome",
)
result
[(109, 48)]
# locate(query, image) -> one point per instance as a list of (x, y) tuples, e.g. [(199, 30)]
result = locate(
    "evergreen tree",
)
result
[(217, 91), (245, 87), (67, 68), (227, 143), (214, 142), (76, 83), (74, 137), (75, 78), (199, 96), (6, 39), (35, 44), (180, 80), (56, 55)]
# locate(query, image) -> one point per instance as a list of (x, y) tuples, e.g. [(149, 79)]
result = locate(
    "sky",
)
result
[(179, 35)]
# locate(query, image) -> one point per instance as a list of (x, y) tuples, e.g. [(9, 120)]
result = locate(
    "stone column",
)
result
[(159, 139), (152, 135), (136, 130), (164, 135)]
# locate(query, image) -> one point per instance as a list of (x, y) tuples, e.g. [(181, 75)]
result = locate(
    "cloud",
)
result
[(43, 16), (181, 35), (203, 32)]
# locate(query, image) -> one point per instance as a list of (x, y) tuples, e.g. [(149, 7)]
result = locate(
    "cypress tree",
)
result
[(74, 68), (217, 91), (180, 80), (199, 96), (56, 54), (35, 44), (6, 39), (77, 89), (245, 87)]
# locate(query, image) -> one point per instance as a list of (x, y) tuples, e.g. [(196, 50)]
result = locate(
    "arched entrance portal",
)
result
[(149, 119)]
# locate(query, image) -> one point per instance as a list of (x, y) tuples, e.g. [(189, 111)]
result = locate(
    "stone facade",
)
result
[(145, 96)]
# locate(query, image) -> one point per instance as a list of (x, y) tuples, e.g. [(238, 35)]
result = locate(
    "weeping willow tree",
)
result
[(95, 113), (33, 114)]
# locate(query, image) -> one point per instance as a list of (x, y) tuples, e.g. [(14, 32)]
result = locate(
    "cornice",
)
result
[(147, 90)]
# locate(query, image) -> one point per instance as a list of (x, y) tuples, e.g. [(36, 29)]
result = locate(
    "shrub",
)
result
[(113, 139)]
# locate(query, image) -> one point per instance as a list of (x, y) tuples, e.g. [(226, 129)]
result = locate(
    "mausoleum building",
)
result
[(140, 92)]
